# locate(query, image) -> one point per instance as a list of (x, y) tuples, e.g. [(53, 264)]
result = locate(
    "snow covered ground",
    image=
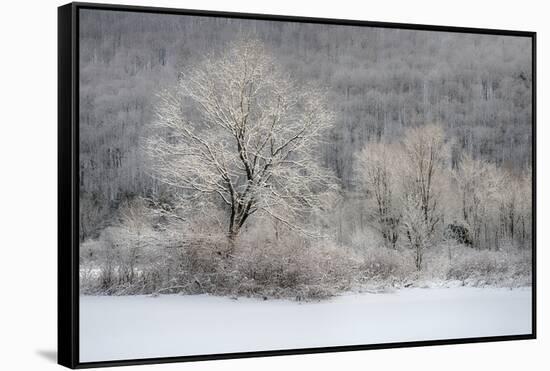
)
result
[(128, 327)]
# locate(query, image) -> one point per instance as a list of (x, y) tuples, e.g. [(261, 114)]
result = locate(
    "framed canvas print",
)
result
[(237, 185)]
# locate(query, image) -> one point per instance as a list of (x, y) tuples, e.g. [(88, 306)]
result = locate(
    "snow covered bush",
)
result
[(288, 266), (125, 259), (506, 267), (291, 267), (383, 266)]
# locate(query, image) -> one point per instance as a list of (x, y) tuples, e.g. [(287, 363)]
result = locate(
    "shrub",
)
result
[(292, 268), (381, 265), (506, 267)]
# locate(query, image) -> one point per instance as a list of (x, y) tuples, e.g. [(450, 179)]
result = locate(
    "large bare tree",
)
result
[(238, 132)]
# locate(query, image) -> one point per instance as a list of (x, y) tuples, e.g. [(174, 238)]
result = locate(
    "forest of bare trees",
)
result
[(246, 157)]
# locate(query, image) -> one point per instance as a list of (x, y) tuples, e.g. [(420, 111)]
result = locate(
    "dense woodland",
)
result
[(425, 149)]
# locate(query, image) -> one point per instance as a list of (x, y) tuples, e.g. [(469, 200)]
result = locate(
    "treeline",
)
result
[(381, 82), (144, 253), (416, 199)]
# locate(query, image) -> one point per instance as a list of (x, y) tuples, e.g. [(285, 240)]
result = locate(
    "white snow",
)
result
[(129, 327)]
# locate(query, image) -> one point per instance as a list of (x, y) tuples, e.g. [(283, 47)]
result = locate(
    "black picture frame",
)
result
[(68, 180)]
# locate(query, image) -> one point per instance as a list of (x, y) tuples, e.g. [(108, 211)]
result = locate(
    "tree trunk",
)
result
[(231, 244), (418, 258)]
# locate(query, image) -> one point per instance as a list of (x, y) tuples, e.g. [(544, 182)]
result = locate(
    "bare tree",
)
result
[(525, 208), (479, 184), (236, 131), (424, 156), (417, 229), (515, 208), (376, 167)]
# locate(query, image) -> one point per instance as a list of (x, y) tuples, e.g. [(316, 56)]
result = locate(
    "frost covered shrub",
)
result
[(116, 273), (89, 271), (201, 266), (381, 265), (505, 267), (127, 257), (437, 260), (288, 268), (478, 266), (113, 269), (292, 268), (264, 264)]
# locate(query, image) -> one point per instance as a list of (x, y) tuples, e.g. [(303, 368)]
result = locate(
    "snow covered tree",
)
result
[(416, 228), (376, 170), (479, 185), (525, 209), (424, 156), (515, 208), (236, 131)]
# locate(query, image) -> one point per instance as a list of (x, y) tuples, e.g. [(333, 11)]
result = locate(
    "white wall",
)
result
[(28, 183)]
